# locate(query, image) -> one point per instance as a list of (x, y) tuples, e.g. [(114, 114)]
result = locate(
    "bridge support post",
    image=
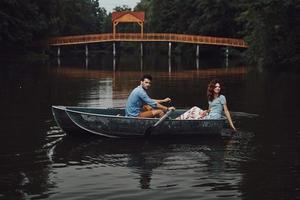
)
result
[(197, 51), (142, 51), (86, 50), (58, 51), (226, 57), (170, 49), (114, 49)]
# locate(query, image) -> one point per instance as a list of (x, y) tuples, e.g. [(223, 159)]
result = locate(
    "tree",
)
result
[(271, 29), (79, 17), (19, 23), (25, 22)]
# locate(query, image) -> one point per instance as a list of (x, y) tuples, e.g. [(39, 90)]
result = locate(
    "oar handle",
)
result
[(149, 129)]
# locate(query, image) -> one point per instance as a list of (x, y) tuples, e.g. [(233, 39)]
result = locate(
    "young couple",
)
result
[(139, 104)]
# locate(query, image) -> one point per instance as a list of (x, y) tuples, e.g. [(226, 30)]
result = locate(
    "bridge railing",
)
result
[(168, 37)]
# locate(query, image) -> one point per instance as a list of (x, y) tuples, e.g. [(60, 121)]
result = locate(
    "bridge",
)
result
[(147, 37), (139, 18)]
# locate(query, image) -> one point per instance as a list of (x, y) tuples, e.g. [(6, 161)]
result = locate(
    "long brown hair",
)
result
[(210, 89)]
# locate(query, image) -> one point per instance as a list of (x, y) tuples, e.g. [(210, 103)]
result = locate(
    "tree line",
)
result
[(26, 22), (270, 27)]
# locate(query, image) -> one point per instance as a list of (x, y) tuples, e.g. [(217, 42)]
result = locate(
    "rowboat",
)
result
[(112, 123)]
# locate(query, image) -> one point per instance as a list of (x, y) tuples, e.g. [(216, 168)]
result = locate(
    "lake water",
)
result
[(38, 161)]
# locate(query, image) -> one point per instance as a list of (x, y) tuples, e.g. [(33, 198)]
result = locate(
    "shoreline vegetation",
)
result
[(269, 27)]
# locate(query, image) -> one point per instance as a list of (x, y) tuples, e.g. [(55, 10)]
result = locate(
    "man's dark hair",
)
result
[(146, 76)]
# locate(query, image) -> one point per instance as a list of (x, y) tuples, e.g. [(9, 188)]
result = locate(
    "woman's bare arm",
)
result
[(227, 114)]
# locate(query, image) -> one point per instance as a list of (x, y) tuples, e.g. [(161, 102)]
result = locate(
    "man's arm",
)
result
[(154, 103), (164, 108), (165, 100)]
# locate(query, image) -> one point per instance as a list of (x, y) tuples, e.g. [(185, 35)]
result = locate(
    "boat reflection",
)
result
[(142, 157)]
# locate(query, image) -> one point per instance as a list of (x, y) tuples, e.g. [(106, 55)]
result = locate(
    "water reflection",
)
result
[(114, 64), (25, 174), (58, 62), (142, 63), (86, 62), (111, 88), (170, 64), (206, 158), (100, 94)]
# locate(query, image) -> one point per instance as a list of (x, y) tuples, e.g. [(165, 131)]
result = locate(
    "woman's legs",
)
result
[(193, 113)]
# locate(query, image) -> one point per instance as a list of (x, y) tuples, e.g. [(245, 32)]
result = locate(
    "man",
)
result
[(138, 98)]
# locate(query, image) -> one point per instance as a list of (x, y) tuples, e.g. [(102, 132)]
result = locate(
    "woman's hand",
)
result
[(234, 129), (205, 112)]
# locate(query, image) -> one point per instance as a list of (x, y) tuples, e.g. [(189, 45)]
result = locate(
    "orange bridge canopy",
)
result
[(128, 17)]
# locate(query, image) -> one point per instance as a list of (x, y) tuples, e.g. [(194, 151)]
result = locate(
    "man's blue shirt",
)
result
[(137, 98)]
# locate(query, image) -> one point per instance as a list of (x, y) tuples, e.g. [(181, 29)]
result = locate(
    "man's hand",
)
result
[(166, 100), (171, 108)]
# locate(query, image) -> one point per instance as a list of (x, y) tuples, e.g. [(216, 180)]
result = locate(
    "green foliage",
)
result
[(199, 17), (79, 17), (271, 28), (206, 17), (122, 8), (26, 22), (18, 28), (163, 17), (145, 6)]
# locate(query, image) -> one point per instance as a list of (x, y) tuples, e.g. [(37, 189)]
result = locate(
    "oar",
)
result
[(150, 129)]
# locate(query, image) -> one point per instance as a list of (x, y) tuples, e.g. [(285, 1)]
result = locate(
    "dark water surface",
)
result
[(38, 161)]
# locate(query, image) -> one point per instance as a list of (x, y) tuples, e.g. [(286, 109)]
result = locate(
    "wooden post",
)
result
[(170, 48), (142, 52), (142, 30), (114, 30), (58, 51), (114, 49), (197, 51), (86, 50), (227, 56)]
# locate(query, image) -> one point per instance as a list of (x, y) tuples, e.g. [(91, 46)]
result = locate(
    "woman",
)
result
[(217, 103)]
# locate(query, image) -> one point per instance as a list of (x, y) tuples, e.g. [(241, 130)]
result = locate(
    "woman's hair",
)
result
[(210, 89)]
